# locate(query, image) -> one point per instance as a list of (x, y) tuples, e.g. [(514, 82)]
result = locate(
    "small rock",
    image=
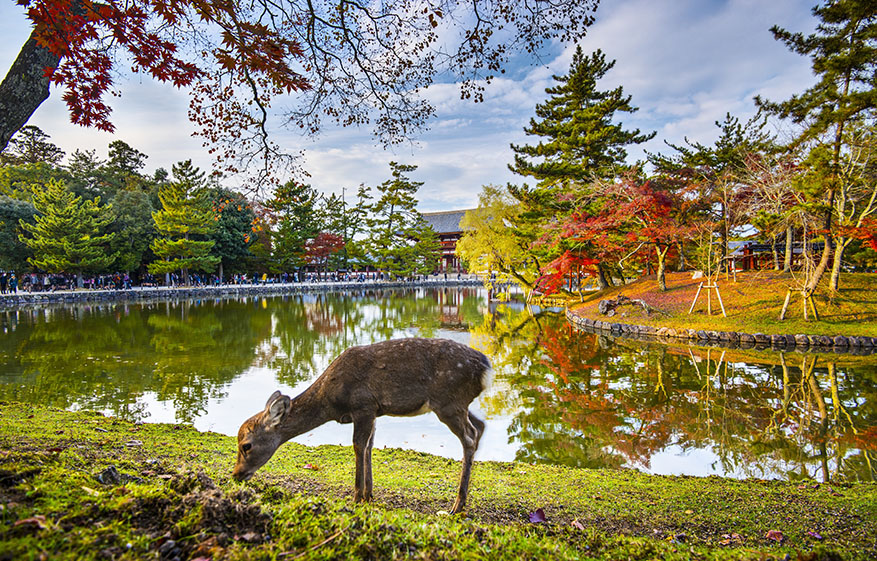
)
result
[(109, 476)]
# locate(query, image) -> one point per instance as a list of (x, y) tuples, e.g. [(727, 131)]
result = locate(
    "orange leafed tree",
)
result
[(353, 62)]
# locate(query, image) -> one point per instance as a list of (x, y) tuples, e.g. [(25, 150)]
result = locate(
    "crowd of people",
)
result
[(10, 283)]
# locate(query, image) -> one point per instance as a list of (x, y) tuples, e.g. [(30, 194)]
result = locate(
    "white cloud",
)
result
[(685, 62)]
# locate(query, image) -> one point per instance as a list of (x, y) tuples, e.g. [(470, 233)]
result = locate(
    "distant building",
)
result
[(447, 225)]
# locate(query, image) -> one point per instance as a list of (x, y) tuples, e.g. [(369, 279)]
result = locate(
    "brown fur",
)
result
[(400, 377)]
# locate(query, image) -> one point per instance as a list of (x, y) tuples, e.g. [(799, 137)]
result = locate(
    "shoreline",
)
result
[(838, 344), (142, 294)]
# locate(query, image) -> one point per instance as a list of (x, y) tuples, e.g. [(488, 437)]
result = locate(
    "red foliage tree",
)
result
[(624, 219), (352, 62), (321, 248)]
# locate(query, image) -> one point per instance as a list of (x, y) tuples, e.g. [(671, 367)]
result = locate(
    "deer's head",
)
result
[(259, 437)]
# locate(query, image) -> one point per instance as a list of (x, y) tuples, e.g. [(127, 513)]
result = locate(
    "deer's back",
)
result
[(405, 376)]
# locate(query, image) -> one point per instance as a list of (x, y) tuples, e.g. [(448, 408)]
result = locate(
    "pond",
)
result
[(559, 395)]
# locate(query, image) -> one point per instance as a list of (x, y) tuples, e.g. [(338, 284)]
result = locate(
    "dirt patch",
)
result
[(194, 518)]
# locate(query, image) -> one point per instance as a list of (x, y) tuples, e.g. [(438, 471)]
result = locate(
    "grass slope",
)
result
[(84, 486), (753, 304)]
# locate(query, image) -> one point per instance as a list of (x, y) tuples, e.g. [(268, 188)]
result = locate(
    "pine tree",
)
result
[(296, 220), (401, 242), (581, 141), (185, 218), (843, 50), (67, 235), (31, 145)]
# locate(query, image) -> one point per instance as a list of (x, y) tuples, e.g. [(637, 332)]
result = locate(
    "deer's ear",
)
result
[(275, 409), (274, 396)]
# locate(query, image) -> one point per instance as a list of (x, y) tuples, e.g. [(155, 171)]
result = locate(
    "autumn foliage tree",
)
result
[(633, 219), (321, 248), (351, 62)]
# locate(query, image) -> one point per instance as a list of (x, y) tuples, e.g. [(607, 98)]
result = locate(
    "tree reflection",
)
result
[(585, 400), (574, 398)]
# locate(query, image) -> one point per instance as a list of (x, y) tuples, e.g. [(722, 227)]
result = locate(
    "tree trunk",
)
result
[(837, 262), (662, 255), (681, 266), (602, 279), (822, 266), (25, 87), (787, 258)]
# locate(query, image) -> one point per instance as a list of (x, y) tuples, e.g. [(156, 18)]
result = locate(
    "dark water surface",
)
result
[(559, 395)]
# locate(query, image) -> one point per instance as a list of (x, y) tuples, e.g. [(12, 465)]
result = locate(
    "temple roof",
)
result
[(445, 222)]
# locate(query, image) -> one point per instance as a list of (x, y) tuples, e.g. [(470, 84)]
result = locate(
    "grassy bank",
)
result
[(752, 303), (84, 486)]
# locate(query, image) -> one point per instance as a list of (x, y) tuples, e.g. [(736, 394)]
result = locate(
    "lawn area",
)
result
[(752, 302), (84, 486)]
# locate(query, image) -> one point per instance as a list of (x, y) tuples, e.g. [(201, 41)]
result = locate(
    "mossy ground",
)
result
[(171, 497), (752, 303)]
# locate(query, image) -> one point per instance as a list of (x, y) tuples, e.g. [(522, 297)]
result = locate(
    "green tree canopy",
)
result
[(14, 253), (400, 241), (576, 121), (296, 220), (68, 235), (31, 145), (185, 218), (843, 52)]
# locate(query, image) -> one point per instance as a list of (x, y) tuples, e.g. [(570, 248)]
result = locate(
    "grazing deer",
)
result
[(404, 377)]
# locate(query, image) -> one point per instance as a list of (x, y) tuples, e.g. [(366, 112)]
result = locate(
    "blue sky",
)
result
[(685, 63)]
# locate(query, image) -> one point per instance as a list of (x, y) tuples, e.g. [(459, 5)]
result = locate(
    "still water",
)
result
[(559, 395)]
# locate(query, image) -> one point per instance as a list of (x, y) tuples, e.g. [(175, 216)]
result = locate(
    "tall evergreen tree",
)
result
[(31, 145), (68, 235), (185, 218), (843, 51), (400, 241), (234, 230), (581, 139), (14, 253), (714, 171), (296, 220), (582, 142)]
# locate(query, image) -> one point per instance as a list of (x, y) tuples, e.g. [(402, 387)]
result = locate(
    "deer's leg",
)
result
[(468, 429), (363, 437)]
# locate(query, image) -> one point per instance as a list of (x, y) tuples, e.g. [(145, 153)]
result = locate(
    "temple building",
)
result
[(447, 225)]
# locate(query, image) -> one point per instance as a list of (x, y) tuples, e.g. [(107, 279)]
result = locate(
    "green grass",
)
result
[(175, 499), (752, 303)]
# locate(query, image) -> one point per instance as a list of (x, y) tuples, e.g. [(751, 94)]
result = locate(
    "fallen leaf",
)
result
[(134, 443), (814, 535), (775, 535), (38, 521), (689, 511), (90, 491), (311, 466), (576, 524), (538, 516)]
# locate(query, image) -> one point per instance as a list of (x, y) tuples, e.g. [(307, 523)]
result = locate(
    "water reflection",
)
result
[(562, 396), (586, 400)]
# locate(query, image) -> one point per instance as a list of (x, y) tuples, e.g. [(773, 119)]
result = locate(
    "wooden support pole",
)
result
[(696, 294), (719, 296), (813, 307), (804, 301), (786, 305)]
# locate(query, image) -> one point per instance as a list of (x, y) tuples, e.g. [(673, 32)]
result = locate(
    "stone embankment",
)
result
[(142, 294), (729, 339)]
